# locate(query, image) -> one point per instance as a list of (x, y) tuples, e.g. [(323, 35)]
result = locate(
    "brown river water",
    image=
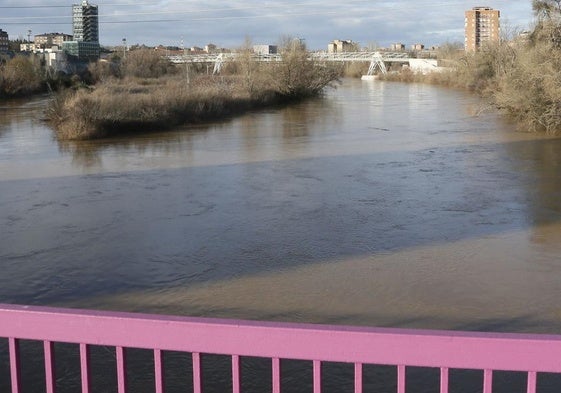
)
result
[(381, 204)]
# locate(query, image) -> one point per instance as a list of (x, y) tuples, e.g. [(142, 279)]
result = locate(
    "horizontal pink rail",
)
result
[(317, 343)]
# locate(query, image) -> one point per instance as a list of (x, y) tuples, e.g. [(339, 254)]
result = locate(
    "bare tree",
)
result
[(548, 27), (145, 63), (547, 9)]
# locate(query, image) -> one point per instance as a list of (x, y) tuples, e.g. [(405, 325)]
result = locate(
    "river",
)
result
[(381, 204)]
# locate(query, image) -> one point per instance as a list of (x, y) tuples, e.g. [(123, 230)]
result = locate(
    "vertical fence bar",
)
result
[(50, 378), (85, 367), (159, 371), (15, 371), (401, 379), (317, 376), (532, 382), (358, 377), (444, 380), (121, 370), (236, 381), (197, 373), (487, 381), (276, 375)]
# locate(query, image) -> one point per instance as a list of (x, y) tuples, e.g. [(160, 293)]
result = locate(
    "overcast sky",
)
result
[(229, 23)]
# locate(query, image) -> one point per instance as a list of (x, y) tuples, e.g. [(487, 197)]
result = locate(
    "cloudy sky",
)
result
[(229, 23)]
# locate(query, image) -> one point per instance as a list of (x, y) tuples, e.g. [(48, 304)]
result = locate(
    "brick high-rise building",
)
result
[(481, 25)]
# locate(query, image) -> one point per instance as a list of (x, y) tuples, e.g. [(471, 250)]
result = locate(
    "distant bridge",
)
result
[(376, 59)]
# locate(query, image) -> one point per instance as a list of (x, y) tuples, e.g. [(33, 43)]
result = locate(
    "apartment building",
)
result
[(340, 46), (482, 25), (49, 40)]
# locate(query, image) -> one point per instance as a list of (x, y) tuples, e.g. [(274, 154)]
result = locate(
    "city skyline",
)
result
[(175, 23)]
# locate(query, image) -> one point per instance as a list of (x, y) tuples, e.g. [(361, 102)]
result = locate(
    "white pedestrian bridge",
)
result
[(377, 60)]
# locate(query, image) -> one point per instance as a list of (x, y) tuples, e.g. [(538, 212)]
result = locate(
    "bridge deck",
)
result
[(319, 56)]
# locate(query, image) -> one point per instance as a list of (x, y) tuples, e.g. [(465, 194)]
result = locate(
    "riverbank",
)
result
[(134, 105), (519, 76)]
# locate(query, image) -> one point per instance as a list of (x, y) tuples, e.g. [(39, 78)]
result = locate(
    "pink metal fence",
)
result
[(402, 348)]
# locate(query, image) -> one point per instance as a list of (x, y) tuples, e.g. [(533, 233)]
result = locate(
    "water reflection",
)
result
[(253, 137), (541, 163), (84, 154)]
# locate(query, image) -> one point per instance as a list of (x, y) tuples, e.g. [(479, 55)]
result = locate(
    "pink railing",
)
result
[(402, 348)]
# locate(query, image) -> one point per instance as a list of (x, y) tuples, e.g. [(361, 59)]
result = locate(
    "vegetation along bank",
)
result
[(521, 76), (147, 92)]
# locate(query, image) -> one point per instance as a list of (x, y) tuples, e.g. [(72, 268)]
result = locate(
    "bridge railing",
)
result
[(212, 58), (318, 56), (444, 350)]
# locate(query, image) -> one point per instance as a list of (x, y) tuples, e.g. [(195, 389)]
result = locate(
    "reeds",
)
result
[(129, 105)]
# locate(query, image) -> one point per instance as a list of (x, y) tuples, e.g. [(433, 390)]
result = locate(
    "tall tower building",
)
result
[(85, 22), (481, 25), (85, 28)]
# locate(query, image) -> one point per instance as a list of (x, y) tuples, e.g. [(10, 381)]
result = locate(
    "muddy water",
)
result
[(382, 204)]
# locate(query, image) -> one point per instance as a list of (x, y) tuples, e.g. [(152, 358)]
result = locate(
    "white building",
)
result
[(265, 49)]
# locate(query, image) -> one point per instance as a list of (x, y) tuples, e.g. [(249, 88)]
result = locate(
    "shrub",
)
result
[(356, 69), (102, 71), (530, 91), (145, 63), (298, 76), (19, 76)]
